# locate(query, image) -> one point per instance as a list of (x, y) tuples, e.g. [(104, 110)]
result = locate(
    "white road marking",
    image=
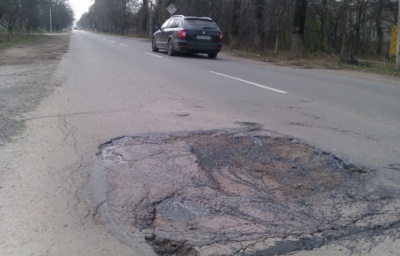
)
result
[(112, 42), (153, 55), (124, 45), (248, 82)]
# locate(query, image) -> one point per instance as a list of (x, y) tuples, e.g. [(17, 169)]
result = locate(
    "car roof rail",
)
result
[(191, 17), (208, 18)]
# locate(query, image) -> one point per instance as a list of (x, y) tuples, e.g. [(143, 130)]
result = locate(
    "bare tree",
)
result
[(298, 27), (30, 14), (260, 26), (11, 9), (144, 17), (235, 23), (350, 27), (279, 9)]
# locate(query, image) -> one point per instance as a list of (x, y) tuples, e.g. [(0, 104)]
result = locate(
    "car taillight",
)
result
[(221, 37), (182, 33)]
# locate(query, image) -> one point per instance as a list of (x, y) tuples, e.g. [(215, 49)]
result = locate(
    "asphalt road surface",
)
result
[(114, 86), (358, 118)]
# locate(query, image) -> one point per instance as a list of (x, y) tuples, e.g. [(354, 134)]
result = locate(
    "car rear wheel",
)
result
[(153, 46), (170, 48), (212, 55)]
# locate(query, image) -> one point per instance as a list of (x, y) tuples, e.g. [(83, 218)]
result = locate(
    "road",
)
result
[(330, 111), (114, 86)]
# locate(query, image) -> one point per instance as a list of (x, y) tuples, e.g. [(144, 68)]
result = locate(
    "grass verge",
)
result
[(18, 40), (321, 61)]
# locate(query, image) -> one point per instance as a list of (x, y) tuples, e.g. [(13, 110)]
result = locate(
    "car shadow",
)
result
[(191, 55)]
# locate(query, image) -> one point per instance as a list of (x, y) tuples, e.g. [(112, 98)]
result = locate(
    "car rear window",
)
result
[(200, 24)]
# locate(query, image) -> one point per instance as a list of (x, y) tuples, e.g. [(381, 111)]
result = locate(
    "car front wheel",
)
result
[(171, 51)]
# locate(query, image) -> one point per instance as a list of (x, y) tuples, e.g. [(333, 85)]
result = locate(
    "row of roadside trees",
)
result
[(25, 16), (346, 27)]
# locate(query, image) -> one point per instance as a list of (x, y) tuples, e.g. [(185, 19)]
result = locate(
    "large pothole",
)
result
[(238, 193)]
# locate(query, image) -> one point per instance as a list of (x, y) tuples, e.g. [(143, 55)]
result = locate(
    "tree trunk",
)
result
[(277, 39), (279, 11), (260, 35), (355, 46), (323, 42), (378, 26), (145, 10), (103, 25), (10, 26), (235, 23), (298, 28)]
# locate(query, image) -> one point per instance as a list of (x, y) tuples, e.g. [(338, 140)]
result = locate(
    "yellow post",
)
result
[(398, 40), (393, 41)]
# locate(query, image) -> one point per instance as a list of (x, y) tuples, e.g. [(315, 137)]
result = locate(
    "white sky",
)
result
[(80, 7)]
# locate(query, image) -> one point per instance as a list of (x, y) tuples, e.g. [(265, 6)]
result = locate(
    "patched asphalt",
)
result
[(237, 192)]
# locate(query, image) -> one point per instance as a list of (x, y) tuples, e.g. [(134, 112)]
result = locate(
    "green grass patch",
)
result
[(18, 40)]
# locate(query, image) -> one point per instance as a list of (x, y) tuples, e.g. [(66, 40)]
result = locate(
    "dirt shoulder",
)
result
[(26, 72), (364, 75), (41, 169)]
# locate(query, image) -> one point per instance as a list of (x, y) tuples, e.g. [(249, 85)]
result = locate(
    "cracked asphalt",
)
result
[(108, 150)]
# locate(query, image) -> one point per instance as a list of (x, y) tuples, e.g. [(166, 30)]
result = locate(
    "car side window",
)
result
[(165, 25), (174, 23)]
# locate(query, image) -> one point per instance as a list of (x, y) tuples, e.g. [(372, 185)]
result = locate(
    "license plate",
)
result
[(203, 37)]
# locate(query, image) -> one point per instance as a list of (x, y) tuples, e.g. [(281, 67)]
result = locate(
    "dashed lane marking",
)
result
[(158, 56), (248, 82)]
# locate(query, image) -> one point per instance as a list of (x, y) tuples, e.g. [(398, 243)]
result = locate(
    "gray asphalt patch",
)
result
[(238, 192)]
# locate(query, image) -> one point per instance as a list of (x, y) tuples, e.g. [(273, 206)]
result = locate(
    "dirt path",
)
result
[(26, 73)]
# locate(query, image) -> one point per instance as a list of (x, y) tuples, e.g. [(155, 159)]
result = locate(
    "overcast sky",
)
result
[(80, 7)]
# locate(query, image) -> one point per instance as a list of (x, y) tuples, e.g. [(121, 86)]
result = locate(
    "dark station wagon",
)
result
[(187, 34)]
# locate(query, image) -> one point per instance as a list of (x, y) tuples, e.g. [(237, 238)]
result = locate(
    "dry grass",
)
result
[(17, 39), (321, 61)]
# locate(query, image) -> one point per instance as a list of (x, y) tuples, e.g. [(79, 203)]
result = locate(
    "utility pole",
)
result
[(51, 20), (398, 41)]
